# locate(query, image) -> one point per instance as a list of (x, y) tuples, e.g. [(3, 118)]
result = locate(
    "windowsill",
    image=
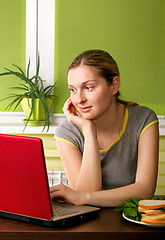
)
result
[(12, 123)]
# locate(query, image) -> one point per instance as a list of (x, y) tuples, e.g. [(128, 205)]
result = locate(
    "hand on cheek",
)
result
[(69, 108)]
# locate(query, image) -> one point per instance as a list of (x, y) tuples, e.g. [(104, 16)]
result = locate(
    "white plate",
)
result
[(145, 224)]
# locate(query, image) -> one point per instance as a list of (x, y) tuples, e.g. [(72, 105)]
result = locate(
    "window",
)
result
[(40, 36)]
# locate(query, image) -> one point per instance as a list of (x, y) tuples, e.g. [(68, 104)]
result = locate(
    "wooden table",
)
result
[(108, 225)]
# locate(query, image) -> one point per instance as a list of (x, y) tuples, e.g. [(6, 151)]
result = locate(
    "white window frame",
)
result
[(40, 37)]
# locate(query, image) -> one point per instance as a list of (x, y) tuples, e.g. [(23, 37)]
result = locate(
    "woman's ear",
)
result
[(115, 85)]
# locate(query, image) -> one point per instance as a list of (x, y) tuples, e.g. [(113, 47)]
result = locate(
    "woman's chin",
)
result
[(87, 116)]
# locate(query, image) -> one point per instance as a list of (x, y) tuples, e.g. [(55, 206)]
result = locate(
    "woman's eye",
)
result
[(72, 90), (89, 87)]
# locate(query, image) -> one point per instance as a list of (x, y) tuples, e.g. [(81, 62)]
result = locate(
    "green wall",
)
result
[(12, 42), (132, 31)]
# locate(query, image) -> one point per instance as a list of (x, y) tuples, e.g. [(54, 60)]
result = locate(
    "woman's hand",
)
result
[(67, 194), (74, 117)]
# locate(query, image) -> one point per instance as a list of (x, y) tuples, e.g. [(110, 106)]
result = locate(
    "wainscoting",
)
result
[(12, 123)]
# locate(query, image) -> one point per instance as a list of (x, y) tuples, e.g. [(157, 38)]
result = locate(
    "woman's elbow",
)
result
[(147, 192)]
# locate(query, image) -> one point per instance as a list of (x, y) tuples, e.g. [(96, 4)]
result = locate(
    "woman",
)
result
[(109, 147)]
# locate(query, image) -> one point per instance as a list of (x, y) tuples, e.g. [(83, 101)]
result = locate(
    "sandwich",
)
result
[(153, 211)]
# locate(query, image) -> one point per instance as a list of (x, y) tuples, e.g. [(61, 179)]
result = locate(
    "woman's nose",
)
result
[(81, 97)]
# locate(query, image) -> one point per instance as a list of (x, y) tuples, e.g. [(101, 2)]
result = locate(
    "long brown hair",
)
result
[(104, 63)]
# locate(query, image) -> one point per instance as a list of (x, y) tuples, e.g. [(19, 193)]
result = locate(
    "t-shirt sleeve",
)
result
[(147, 117), (70, 133)]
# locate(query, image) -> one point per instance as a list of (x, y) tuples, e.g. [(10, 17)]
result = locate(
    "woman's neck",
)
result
[(112, 121)]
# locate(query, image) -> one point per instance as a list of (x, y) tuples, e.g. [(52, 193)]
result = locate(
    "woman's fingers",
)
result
[(58, 191), (62, 192)]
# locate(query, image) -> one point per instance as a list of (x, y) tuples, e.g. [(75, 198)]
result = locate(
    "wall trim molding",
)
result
[(161, 119), (12, 122)]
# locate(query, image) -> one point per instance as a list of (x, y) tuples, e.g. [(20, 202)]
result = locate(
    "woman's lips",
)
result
[(85, 109)]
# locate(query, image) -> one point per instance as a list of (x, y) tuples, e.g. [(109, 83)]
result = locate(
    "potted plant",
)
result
[(36, 100)]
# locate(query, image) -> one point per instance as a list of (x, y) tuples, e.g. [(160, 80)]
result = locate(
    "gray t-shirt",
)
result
[(119, 161)]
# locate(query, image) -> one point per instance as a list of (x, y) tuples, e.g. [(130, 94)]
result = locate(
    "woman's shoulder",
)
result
[(70, 133), (67, 127), (140, 118), (141, 112)]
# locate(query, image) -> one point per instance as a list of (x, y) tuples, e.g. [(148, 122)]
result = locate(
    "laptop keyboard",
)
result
[(59, 211)]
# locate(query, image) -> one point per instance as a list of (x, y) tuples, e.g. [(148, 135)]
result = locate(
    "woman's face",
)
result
[(91, 95)]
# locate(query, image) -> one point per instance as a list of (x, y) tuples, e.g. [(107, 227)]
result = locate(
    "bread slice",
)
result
[(156, 220), (140, 209), (151, 204), (153, 222), (152, 212)]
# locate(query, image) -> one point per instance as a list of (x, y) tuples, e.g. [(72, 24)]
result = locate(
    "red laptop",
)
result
[(24, 189)]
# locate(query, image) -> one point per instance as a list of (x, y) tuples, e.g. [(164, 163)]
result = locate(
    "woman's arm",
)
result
[(90, 175), (83, 172), (143, 187)]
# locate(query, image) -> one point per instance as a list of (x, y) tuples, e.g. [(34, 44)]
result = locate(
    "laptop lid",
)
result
[(24, 186), (24, 189)]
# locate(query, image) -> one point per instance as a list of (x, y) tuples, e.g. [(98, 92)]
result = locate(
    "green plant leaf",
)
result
[(41, 88), (21, 76), (5, 73), (38, 65), (19, 88), (19, 69), (18, 102), (17, 98), (49, 90), (28, 68), (31, 111), (46, 111)]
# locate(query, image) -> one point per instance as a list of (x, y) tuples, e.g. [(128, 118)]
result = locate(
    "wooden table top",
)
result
[(109, 224)]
